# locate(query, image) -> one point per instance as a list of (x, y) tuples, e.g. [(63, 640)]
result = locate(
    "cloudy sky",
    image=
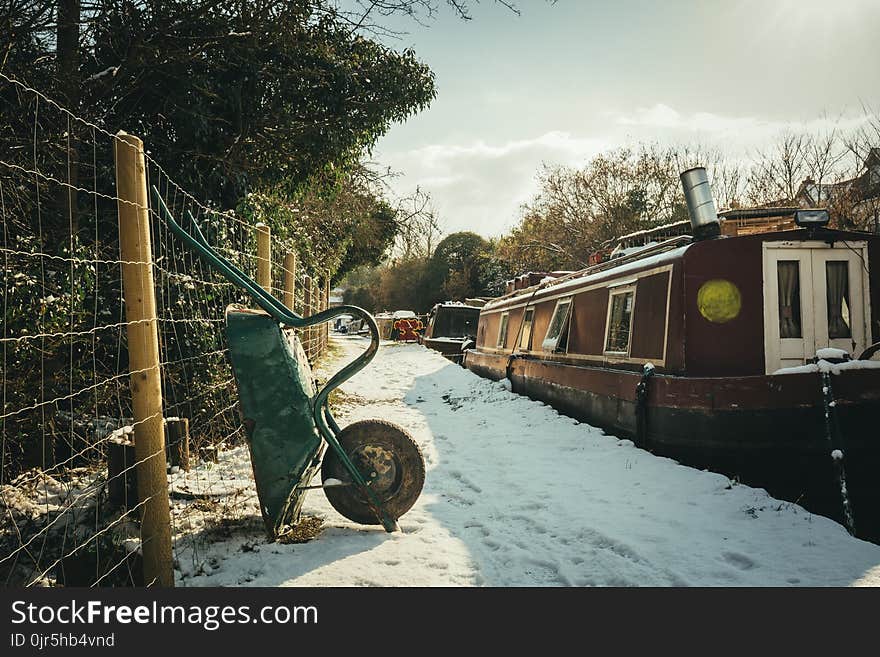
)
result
[(560, 83)]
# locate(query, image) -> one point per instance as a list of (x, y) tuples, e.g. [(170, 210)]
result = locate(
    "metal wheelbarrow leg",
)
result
[(391, 460)]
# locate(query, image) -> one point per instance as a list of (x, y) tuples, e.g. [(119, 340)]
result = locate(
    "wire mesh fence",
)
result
[(69, 508)]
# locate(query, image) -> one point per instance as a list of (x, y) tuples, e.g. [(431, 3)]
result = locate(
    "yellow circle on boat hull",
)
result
[(719, 300)]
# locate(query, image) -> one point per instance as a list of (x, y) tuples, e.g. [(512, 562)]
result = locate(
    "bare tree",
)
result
[(577, 211), (864, 147), (372, 16), (778, 171), (418, 226)]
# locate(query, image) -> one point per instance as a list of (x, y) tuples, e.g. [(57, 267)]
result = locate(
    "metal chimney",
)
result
[(701, 207)]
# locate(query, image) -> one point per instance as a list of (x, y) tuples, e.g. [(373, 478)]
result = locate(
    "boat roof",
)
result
[(653, 255), (455, 304)]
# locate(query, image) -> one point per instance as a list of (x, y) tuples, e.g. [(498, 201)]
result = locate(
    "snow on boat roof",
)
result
[(578, 279), (655, 229), (455, 304)]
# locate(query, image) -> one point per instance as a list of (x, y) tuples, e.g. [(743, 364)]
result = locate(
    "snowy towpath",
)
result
[(518, 495)]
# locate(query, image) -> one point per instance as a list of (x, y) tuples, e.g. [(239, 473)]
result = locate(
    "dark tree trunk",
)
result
[(67, 57)]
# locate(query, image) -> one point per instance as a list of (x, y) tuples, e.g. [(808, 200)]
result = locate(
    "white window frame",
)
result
[(615, 292), (564, 301), (522, 334), (503, 327)]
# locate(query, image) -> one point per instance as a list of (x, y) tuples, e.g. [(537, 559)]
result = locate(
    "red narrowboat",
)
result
[(752, 355), (406, 326)]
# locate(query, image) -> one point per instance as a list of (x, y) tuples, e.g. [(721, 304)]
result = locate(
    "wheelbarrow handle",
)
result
[(196, 240), (199, 244), (266, 301), (278, 310)]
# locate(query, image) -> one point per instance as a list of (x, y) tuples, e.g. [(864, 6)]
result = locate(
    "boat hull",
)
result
[(765, 431), (449, 347)]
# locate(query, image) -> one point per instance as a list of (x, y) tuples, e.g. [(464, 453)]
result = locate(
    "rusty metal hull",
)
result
[(765, 431), (449, 347)]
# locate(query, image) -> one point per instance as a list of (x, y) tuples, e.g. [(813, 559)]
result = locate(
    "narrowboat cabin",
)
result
[(754, 355), (451, 326)]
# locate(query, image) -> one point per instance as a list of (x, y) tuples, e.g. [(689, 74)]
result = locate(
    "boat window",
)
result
[(525, 340), (788, 275), (502, 332), (619, 322), (557, 333), (837, 297), (456, 322)]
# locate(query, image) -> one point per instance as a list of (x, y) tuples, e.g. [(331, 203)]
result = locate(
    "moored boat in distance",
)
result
[(451, 326), (385, 322), (406, 326), (400, 325), (754, 355)]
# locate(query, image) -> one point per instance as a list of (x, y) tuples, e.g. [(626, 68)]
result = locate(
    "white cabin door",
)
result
[(815, 296), (839, 286), (789, 332)]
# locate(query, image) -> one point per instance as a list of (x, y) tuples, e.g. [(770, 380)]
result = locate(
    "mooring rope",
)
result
[(837, 453), (642, 405)]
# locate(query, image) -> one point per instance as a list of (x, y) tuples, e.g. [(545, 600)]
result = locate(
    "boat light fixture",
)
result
[(811, 218)]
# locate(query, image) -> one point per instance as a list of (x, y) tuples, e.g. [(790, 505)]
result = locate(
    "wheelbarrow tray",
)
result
[(276, 396)]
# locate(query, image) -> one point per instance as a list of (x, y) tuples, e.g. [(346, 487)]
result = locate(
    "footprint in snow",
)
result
[(485, 532), (737, 560), (458, 500), (465, 481), (492, 545)]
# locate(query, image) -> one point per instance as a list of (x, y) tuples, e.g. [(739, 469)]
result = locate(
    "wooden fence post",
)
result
[(316, 330), (177, 430), (264, 257), (143, 359), (121, 473), (325, 332), (289, 280), (307, 310)]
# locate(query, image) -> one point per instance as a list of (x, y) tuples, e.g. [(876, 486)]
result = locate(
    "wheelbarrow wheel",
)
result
[(388, 458)]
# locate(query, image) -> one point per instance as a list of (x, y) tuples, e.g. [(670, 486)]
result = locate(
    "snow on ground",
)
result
[(518, 495)]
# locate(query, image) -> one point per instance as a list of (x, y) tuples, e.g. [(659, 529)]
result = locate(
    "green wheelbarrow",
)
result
[(373, 471)]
